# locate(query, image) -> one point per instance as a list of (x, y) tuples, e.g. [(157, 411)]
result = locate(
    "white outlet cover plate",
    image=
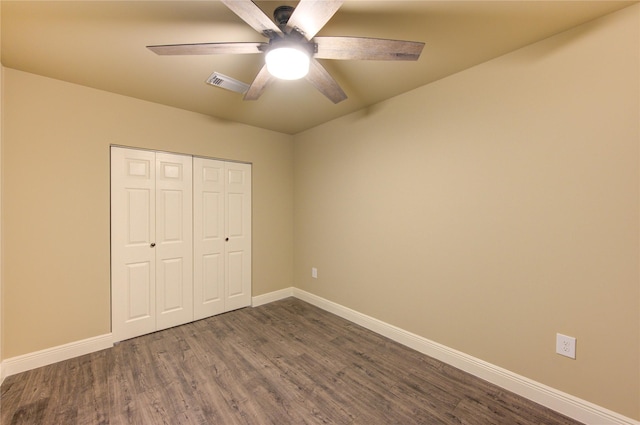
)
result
[(566, 346), (314, 273)]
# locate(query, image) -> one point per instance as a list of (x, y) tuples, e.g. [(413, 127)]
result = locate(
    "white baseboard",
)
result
[(568, 405), (573, 407), (18, 364), (271, 297), (23, 363)]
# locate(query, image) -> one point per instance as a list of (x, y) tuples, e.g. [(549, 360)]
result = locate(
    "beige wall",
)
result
[(486, 211), (56, 200), (492, 209), (1, 243)]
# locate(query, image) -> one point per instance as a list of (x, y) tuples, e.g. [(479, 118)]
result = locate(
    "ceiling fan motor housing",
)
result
[(281, 15)]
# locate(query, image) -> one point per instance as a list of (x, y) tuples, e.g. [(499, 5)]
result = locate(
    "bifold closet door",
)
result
[(238, 229), (151, 241), (174, 240), (222, 236), (208, 237), (133, 226)]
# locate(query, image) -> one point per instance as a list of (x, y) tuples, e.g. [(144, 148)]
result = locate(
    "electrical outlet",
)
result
[(566, 346), (314, 272)]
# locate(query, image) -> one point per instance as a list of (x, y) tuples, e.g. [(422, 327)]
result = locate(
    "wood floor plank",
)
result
[(93, 404), (197, 374), (10, 395), (282, 363)]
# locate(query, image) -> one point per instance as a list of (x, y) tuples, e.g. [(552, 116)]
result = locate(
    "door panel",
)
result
[(138, 213), (238, 230), (174, 271), (212, 210), (212, 269), (139, 290), (235, 219), (235, 267), (172, 206), (208, 242), (172, 285), (133, 258)]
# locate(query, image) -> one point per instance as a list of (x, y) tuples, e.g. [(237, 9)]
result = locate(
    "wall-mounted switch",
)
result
[(566, 346), (314, 272)]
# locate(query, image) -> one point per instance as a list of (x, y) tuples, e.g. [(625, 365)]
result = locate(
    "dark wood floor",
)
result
[(282, 363)]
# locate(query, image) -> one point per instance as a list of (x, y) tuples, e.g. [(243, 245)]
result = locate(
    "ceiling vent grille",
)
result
[(225, 82)]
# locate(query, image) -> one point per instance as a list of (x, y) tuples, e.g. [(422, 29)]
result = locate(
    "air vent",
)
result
[(220, 80)]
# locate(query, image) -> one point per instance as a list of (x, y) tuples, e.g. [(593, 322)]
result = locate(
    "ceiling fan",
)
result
[(293, 49)]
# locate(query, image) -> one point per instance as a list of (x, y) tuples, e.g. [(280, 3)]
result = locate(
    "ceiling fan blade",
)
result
[(254, 16), (324, 82), (361, 48), (258, 85), (208, 48), (310, 16)]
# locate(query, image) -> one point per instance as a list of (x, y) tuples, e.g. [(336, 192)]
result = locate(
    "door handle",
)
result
[(153, 244), (227, 239)]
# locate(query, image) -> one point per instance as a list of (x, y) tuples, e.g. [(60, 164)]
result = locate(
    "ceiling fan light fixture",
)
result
[(288, 61)]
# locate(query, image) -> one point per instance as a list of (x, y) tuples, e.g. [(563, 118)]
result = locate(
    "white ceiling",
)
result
[(101, 44)]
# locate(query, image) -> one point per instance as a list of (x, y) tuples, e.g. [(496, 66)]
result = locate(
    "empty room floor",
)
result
[(286, 362)]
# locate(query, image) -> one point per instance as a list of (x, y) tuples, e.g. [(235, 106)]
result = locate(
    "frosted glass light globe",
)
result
[(287, 63)]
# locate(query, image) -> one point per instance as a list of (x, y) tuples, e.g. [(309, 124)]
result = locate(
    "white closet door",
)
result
[(174, 259), (180, 239), (238, 232), (132, 233), (208, 237)]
